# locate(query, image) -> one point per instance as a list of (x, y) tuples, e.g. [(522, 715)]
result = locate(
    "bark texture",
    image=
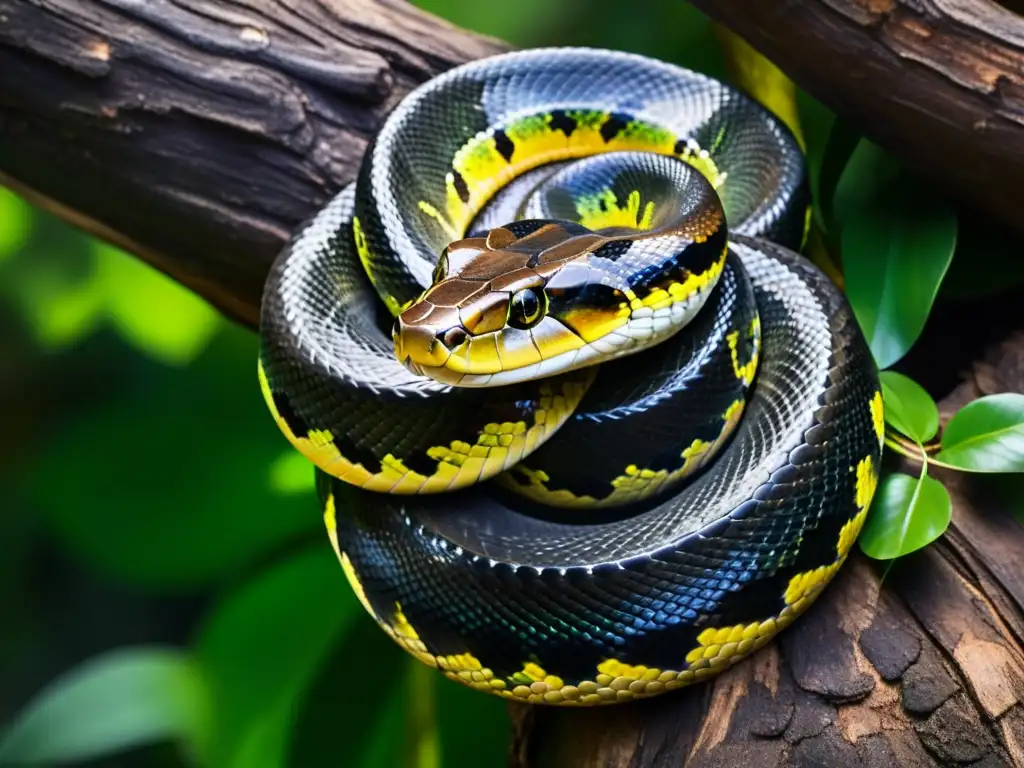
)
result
[(924, 668), (940, 83), (198, 133)]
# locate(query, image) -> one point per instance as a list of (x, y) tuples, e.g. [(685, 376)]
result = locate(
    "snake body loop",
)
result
[(566, 271)]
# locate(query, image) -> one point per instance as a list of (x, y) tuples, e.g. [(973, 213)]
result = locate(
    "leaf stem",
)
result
[(915, 451), (923, 458)]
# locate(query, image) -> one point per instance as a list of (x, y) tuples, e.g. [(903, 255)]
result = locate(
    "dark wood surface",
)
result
[(940, 83), (197, 134)]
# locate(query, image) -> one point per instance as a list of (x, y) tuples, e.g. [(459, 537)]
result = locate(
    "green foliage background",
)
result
[(159, 530)]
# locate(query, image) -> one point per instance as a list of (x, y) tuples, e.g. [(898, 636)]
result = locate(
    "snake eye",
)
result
[(453, 337), (526, 308), (441, 269)]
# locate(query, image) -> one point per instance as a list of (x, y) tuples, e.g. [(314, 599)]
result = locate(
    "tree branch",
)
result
[(939, 83), (198, 134)]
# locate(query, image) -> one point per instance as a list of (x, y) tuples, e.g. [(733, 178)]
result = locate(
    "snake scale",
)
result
[(585, 428)]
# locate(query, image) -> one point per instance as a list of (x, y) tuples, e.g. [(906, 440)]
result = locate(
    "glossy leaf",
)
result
[(422, 744), (15, 223), (897, 242), (908, 513), (372, 732), (908, 407), (166, 485), (122, 699), (261, 648), (292, 473), (986, 435), (842, 142), (155, 314)]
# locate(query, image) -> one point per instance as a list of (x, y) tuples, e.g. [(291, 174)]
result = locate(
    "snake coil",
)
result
[(531, 280)]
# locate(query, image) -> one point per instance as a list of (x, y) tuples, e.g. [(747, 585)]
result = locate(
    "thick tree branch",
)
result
[(198, 134), (940, 83)]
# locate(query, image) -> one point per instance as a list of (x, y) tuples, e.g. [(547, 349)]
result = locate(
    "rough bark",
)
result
[(940, 83), (197, 134), (924, 668)]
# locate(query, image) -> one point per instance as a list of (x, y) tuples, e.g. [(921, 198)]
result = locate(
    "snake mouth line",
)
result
[(414, 368)]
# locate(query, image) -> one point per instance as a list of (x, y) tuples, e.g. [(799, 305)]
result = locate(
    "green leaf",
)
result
[(372, 731), (842, 142), (986, 435), (15, 223), (908, 513), (151, 311), (908, 407), (261, 648), (292, 473), (421, 736), (165, 485), (897, 237), (474, 727), (122, 699)]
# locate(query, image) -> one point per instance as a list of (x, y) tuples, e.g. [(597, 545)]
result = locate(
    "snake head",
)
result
[(532, 299)]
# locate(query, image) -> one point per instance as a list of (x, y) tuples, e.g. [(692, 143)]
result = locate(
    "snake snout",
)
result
[(417, 345)]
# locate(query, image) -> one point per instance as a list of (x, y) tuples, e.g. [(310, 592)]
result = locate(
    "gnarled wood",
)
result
[(198, 134), (940, 83), (923, 669)]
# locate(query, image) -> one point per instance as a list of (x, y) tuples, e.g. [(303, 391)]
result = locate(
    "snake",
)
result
[(586, 426)]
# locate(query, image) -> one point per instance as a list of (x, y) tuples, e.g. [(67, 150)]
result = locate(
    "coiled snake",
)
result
[(606, 449)]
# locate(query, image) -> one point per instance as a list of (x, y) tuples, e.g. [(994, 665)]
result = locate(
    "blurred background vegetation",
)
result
[(155, 517)]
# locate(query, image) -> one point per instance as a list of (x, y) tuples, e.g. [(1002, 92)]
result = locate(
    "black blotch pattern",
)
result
[(695, 258), (562, 122), (582, 296), (504, 145), (700, 257), (613, 126), (707, 432), (418, 461), (679, 147), (460, 186), (525, 227), (358, 454), (297, 424)]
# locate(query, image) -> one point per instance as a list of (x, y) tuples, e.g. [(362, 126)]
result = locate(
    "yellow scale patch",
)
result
[(634, 483), (878, 418), (603, 210), (459, 464), (615, 681), (745, 371), (485, 170)]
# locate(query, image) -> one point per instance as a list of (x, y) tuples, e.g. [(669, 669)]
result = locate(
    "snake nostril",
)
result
[(453, 337)]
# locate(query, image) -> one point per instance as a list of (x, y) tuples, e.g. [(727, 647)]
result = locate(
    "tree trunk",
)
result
[(198, 134)]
